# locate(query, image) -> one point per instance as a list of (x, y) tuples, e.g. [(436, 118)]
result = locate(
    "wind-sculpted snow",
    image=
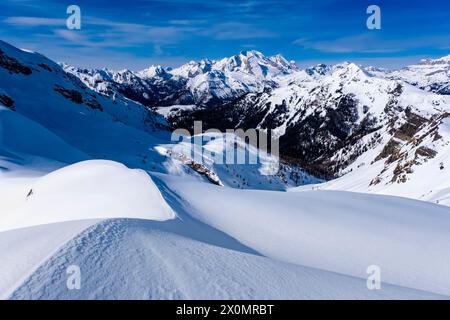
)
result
[(87, 190), (137, 259), (192, 258), (338, 231), (22, 251)]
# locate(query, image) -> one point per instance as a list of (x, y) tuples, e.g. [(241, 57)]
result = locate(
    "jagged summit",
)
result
[(152, 71)]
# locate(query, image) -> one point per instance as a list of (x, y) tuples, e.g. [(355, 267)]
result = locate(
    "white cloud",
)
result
[(370, 42), (34, 21)]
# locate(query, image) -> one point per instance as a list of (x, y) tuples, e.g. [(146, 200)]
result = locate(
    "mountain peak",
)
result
[(347, 66), (279, 59), (152, 71), (252, 53)]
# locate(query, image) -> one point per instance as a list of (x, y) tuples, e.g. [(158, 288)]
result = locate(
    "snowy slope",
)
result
[(314, 245), (23, 251), (58, 91), (333, 230), (211, 159), (137, 259), (83, 123), (21, 137), (417, 168)]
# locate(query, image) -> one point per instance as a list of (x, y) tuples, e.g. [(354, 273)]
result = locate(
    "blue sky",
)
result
[(136, 33)]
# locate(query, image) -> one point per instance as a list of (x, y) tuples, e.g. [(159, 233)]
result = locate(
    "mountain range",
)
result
[(331, 119)]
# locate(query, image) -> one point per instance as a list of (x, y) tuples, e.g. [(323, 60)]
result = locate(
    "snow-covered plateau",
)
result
[(90, 177)]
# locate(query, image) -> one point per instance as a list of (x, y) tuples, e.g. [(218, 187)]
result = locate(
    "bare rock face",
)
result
[(13, 65), (72, 95), (7, 101)]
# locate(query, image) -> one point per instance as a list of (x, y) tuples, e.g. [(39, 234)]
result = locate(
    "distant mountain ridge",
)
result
[(212, 82), (205, 82), (380, 127)]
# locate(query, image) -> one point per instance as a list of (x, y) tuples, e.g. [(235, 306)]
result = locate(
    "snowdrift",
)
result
[(429, 180), (142, 259), (338, 231), (88, 190), (22, 251)]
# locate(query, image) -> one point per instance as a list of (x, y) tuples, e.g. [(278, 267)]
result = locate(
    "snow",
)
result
[(261, 170), (48, 125), (429, 181), (20, 136), (151, 71), (169, 110), (240, 245), (86, 190), (137, 259), (229, 78), (430, 74), (22, 251), (333, 230)]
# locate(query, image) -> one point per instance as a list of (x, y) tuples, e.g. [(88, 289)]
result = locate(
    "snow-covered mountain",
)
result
[(326, 120), (206, 82), (430, 74), (329, 118), (67, 120), (246, 66)]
